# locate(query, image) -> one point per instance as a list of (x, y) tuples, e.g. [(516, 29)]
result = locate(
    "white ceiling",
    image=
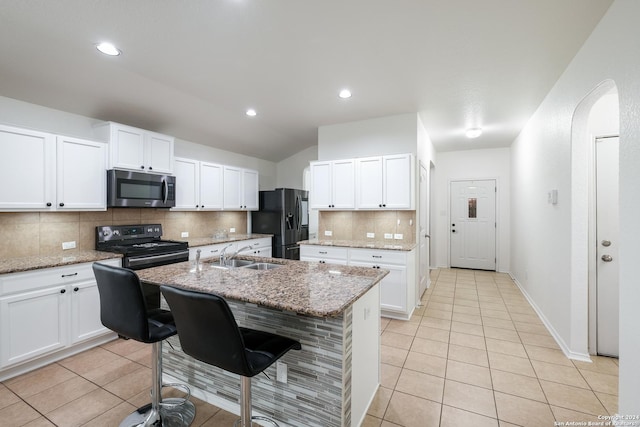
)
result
[(191, 68)]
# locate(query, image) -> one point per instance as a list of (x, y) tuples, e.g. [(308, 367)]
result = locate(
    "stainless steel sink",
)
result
[(239, 263), (262, 266)]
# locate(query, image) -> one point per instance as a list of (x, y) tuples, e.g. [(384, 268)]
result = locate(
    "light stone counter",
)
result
[(14, 265), (333, 311), (364, 244), (233, 237)]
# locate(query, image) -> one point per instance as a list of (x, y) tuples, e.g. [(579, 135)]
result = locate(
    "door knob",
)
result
[(606, 243), (607, 258)]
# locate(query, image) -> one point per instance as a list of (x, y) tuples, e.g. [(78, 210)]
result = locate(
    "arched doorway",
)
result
[(585, 126)]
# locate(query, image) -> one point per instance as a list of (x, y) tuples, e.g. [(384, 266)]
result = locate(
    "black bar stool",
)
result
[(124, 311), (208, 332)]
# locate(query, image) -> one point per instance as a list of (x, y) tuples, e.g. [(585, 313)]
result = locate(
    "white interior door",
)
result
[(424, 237), (607, 228), (473, 224)]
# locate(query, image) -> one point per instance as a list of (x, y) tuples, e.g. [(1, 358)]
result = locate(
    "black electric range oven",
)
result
[(141, 247)]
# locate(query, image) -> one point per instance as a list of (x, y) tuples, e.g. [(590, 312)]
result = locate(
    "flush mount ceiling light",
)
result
[(108, 49), (345, 93), (251, 112), (473, 133)]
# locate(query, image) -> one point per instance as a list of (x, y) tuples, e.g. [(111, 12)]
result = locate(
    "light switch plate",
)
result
[(328, 233), (388, 235), (371, 235), (281, 372), (68, 245), (232, 230), (184, 234), (397, 236)]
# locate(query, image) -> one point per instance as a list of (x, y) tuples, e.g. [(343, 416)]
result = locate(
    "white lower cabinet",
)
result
[(397, 289), (257, 247), (48, 312)]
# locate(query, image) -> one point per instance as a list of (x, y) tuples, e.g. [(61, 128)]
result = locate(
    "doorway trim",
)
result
[(581, 144)]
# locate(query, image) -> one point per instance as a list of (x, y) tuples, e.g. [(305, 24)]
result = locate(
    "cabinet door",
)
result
[(32, 324), (393, 287), (211, 186), (158, 153), (250, 189), (81, 167), (343, 184), (187, 184), (232, 188), (397, 181), (27, 169), (85, 312), (369, 183), (127, 147), (320, 195)]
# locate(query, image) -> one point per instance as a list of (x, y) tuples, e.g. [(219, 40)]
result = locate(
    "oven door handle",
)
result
[(138, 260)]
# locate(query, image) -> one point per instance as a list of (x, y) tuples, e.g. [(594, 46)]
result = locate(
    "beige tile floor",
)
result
[(474, 354)]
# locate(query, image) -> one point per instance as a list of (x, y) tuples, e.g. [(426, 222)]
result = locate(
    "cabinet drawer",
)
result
[(378, 256), (257, 243), (211, 251), (323, 252), (32, 280)]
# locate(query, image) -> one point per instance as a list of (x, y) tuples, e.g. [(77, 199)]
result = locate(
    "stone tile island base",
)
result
[(330, 382)]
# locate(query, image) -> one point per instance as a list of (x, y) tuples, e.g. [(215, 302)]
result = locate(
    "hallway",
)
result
[(475, 354)]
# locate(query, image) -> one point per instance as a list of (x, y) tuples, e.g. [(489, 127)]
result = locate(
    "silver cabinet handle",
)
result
[(606, 243), (607, 258)]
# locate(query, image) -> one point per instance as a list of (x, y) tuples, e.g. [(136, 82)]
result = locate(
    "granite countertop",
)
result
[(364, 244), (313, 289), (15, 265), (203, 241)]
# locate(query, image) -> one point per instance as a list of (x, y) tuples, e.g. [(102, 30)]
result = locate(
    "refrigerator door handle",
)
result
[(292, 248), (298, 214)]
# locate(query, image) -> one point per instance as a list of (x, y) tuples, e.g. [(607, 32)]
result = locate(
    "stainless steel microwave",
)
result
[(140, 190)]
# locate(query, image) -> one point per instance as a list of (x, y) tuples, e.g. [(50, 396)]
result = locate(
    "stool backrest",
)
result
[(122, 305), (207, 329)]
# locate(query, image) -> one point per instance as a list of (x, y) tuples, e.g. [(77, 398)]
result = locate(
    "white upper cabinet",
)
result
[(385, 182), (241, 188), (137, 149), (51, 173), (333, 184), (381, 182), (81, 170), (27, 169), (211, 186), (199, 185)]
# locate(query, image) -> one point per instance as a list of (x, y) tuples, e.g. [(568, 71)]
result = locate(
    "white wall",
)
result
[(544, 248), (466, 165), (373, 137), (31, 116), (290, 170)]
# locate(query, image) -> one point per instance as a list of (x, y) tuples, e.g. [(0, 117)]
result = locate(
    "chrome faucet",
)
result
[(238, 251), (223, 257)]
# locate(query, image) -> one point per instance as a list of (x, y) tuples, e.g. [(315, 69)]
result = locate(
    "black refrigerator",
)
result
[(284, 212)]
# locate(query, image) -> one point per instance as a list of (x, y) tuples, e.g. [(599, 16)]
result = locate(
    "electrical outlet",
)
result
[(232, 230), (68, 245), (281, 372), (388, 235), (328, 233), (184, 234), (397, 236), (371, 235)]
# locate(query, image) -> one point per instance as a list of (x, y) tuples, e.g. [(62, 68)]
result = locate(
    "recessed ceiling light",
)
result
[(251, 112), (473, 133), (345, 93), (108, 49)]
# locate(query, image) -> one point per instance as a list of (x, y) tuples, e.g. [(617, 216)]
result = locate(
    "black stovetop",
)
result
[(135, 239)]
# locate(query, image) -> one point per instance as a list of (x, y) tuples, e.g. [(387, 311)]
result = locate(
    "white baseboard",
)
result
[(583, 357)]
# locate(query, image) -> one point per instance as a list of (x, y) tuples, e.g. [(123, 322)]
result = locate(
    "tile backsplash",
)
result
[(42, 233), (350, 225)]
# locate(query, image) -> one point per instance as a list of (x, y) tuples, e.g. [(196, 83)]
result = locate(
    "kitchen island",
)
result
[(332, 310)]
